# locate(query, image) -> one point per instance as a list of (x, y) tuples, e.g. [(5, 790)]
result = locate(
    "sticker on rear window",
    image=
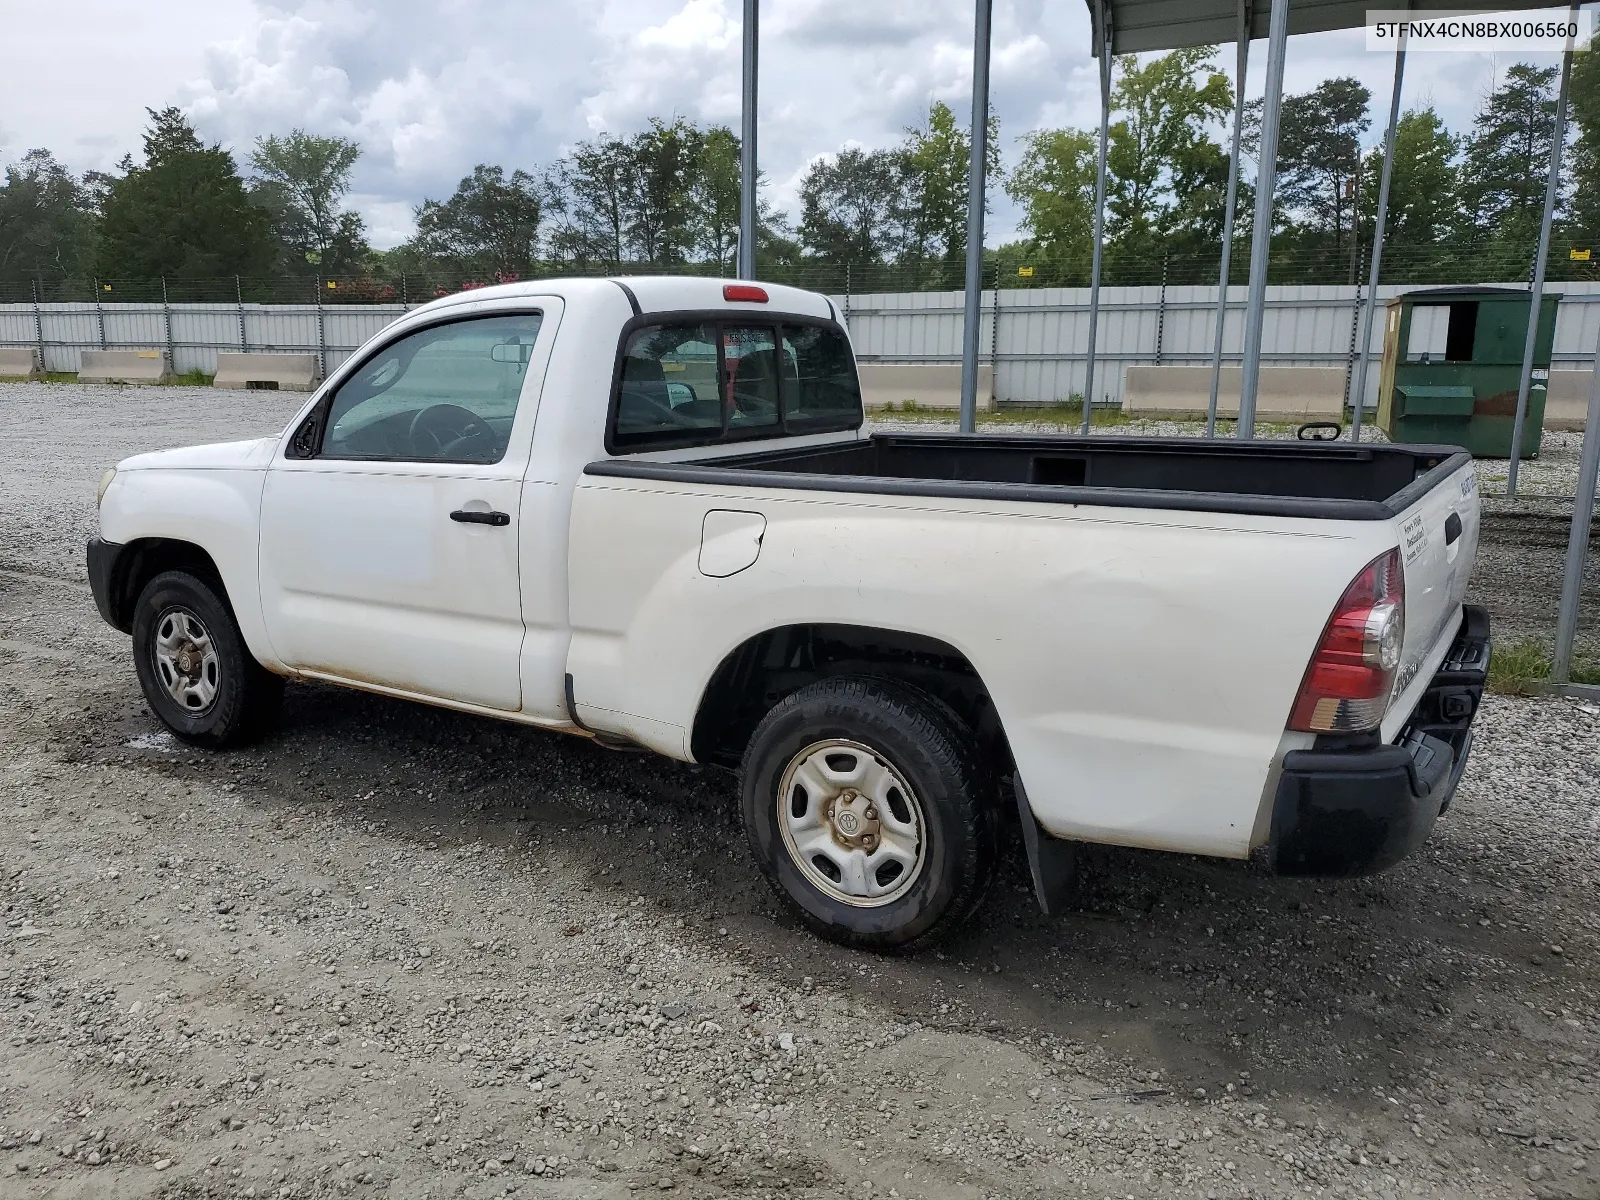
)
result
[(1413, 539)]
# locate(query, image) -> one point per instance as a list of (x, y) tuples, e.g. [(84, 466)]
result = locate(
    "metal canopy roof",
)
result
[(1138, 25)]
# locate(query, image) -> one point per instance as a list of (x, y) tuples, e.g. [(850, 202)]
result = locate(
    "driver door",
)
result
[(388, 551)]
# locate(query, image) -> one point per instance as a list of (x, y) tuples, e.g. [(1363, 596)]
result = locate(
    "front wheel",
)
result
[(868, 812), (194, 668)]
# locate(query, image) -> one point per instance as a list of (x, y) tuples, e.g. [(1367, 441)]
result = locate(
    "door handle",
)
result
[(472, 517), (1452, 528)]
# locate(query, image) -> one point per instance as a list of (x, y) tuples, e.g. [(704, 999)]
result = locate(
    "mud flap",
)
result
[(1053, 863)]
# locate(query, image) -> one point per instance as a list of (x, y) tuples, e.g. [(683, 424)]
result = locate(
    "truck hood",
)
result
[(251, 455)]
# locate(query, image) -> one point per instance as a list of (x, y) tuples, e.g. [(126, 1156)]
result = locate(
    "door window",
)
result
[(447, 393)]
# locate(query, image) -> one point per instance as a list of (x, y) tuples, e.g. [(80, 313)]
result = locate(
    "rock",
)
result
[(163, 1163), (181, 955), (674, 1009)]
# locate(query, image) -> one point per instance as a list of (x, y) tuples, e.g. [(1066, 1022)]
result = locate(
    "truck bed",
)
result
[(1331, 480)]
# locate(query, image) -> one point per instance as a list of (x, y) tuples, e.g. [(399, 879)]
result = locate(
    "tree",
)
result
[(1054, 183), (1423, 189), (662, 158), (489, 226), (1158, 153), (851, 207), (47, 220), (714, 198), (1507, 157), (936, 157), (1584, 98), (301, 179), (1319, 156), (588, 193), (184, 213)]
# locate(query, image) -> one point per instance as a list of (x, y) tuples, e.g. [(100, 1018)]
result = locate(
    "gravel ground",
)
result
[(402, 952)]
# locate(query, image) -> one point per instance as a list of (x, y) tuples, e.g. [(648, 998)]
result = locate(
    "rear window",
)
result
[(700, 383)]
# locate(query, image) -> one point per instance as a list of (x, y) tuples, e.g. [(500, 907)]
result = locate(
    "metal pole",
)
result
[(1102, 34), (1379, 222), (971, 327), (166, 320), (99, 313), (238, 296), (1261, 237), (1245, 12), (994, 340), (847, 295), (405, 295), (38, 326), (747, 147), (1161, 310), (1536, 292), (1578, 539), (322, 336)]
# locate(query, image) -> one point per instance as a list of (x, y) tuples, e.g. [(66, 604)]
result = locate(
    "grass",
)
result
[(187, 379), (1521, 667)]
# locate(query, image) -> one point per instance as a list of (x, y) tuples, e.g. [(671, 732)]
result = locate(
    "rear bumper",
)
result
[(1357, 810), (103, 558)]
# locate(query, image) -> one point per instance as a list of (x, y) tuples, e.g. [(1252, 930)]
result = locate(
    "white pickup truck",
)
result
[(646, 511)]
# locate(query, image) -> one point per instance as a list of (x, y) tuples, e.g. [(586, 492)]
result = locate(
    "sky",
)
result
[(431, 87)]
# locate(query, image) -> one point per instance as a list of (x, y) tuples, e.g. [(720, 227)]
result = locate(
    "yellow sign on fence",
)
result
[(1025, 272), (1578, 255)]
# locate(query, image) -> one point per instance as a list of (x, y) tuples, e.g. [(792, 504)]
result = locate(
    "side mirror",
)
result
[(511, 352)]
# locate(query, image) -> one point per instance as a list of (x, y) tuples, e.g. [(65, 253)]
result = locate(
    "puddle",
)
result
[(160, 740)]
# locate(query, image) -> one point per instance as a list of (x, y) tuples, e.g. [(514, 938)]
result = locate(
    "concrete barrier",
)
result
[(123, 366), (1284, 394), (285, 372), (19, 362), (1567, 404), (928, 385)]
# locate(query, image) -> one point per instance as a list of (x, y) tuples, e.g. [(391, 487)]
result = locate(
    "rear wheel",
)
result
[(868, 812), (194, 667)]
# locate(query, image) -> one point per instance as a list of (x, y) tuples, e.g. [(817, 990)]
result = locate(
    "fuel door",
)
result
[(730, 541)]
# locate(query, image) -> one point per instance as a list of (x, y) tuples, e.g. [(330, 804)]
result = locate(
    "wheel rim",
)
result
[(185, 659), (851, 823)]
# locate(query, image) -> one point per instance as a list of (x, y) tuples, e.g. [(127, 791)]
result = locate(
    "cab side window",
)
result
[(447, 393)]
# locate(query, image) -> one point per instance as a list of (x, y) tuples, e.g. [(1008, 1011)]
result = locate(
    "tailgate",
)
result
[(1438, 543)]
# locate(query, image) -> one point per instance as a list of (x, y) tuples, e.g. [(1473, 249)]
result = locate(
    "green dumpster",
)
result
[(1452, 360)]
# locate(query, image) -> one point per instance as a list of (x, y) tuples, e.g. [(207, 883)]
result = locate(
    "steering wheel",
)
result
[(447, 428)]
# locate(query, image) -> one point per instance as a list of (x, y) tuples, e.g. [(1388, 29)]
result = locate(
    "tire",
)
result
[(841, 856), (194, 668)]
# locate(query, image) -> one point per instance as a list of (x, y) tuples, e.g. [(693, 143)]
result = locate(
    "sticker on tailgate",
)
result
[(1469, 483), (1413, 538)]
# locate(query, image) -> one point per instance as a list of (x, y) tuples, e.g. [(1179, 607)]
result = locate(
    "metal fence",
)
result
[(1035, 339)]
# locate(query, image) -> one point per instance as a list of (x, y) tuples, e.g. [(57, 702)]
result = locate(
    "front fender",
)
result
[(218, 511)]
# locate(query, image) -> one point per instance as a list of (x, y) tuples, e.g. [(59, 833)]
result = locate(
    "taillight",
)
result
[(1346, 688), (746, 292)]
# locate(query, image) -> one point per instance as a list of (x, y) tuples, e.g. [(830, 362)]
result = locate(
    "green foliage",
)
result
[(183, 213), (1319, 157), (47, 219), (1584, 99), (1518, 666), (300, 179), (489, 226), (1157, 149), (1507, 155), (1054, 184)]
